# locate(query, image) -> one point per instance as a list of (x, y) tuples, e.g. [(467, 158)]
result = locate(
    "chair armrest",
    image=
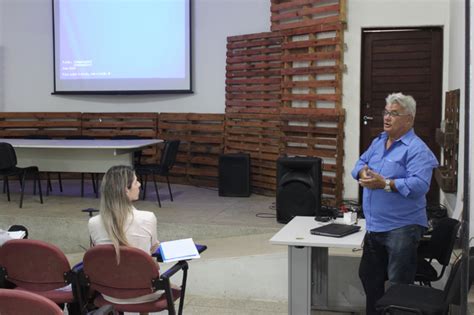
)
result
[(180, 265), (78, 267)]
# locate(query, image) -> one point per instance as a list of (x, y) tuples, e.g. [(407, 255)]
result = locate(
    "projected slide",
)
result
[(122, 45)]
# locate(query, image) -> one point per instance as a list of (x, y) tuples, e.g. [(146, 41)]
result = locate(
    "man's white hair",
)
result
[(407, 102)]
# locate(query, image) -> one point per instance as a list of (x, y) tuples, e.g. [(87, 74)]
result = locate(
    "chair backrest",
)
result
[(453, 285), (168, 156), (442, 240), (19, 302), (34, 265), (7, 156), (133, 277)]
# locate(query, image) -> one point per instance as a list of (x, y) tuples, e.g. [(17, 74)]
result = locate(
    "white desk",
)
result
[(94, 156), (308, 252)]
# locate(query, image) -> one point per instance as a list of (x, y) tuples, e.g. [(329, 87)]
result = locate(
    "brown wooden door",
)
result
[(407, 61)]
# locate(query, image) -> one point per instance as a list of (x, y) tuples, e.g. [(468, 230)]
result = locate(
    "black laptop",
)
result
[(335, 230)]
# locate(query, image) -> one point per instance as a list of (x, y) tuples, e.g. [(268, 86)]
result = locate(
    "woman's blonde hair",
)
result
[(115, 206)]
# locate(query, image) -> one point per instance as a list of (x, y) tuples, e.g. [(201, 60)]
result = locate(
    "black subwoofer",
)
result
[(234, 175), (299, 187)]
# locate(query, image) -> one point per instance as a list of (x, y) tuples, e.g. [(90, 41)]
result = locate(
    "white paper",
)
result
[(178, 250), (17, 234)]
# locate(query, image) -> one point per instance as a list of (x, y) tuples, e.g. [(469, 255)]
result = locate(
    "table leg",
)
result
[(299, 280), (319, 276)]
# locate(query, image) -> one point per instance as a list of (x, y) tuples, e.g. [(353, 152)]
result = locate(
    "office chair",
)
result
[(19, 302), (415, 299), (48, 176), (8, 168), (94, 176), (136, 275), (167, 160), (439, 247), (41, 268)]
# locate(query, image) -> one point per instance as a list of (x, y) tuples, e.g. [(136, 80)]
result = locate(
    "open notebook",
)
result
[(17, 234), (183, 249), (335, 230)]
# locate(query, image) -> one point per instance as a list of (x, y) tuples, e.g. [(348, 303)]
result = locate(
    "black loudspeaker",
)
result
[(299, 186), (234, 175)]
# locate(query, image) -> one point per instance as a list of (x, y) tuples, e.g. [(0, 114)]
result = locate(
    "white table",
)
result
[(91, 156), (306, 253)]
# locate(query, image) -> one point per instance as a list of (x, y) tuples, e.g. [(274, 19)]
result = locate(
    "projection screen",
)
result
[(122, 46)]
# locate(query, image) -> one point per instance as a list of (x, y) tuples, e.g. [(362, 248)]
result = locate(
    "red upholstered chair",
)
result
[(39, 267), (17, 302), (136, 275)]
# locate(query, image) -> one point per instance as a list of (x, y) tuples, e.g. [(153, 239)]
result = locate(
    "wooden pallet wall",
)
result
[(202, 142), (448, 139), (253, 102), (24, 124), (253, 73), (305, 115), (258, 135), (312, 57), (317, 134), (107, 125), (291, 14)]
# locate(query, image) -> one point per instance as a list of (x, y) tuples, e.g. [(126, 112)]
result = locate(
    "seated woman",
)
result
[(120, 224)]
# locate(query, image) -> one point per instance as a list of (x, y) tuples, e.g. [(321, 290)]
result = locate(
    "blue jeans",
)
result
[(388, 255)]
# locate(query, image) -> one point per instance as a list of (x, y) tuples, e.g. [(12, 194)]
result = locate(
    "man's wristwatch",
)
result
[(387, 187)]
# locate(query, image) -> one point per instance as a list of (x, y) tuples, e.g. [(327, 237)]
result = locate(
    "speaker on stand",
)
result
[(234, 175), (299, 187)]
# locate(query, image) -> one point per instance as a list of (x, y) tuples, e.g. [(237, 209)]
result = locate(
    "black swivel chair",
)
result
[(167, 160), (439, 247), (415, 299), (8, 168)]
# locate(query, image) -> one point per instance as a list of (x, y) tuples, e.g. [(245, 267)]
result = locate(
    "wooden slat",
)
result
[(52, 124), (202, 138)]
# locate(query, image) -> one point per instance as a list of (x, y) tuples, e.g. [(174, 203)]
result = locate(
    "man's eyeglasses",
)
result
[(393, 114)]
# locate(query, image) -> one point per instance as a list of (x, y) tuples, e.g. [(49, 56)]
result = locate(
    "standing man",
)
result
[(395, 173)]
